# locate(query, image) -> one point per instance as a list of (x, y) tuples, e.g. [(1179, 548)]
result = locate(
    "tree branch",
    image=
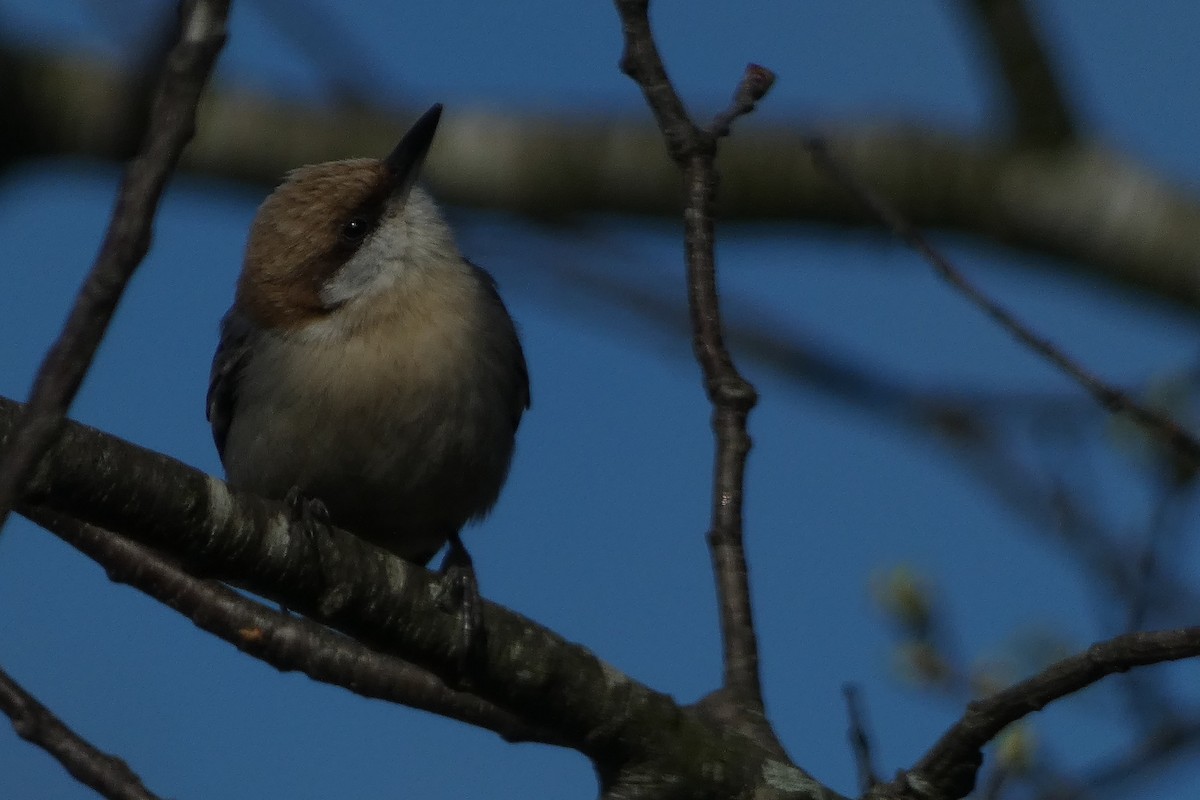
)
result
[(391, 607), (172, 121), (286, 642), (108, 775), (1041, 113), (731, 396), (860, 739), (1068, 202), (948, 770), (1112, 399), (971, 425)]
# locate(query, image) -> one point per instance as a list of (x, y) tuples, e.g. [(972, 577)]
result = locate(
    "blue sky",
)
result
[(600, 532)]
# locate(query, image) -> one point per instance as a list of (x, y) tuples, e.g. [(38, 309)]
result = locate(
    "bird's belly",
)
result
[(401, 461)]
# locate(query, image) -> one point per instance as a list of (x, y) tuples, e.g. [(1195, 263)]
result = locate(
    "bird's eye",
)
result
[(354, 229)]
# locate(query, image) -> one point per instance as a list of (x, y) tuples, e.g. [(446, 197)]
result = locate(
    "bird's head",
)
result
[(338, 234)]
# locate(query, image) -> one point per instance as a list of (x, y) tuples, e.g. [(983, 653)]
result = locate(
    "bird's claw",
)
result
[(308, 511), (459, 595)]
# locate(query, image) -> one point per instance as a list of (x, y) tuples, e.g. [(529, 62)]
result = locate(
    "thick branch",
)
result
[(108, 775), (1071, 202), (391, 606), (286, 642), (172, 121)]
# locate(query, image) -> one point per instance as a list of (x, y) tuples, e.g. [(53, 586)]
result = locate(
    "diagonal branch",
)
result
[(860, 739), (732, 397), (1111, 398), (1041, 113), (172, 122), (391, 606), (948, 770), (108, 775), (970, 425), (288, 643)]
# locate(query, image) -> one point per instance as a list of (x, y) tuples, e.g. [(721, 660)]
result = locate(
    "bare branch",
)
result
[(108, 775), (971, 425), (172, 120), (288, 643), (948, 770), (860, 739), (1111, 398), (391, 606), (1041, 113), (732, 397), (756, 82), (1068, 202)]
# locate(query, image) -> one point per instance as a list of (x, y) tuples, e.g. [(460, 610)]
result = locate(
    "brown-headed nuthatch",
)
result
[(365, 363)]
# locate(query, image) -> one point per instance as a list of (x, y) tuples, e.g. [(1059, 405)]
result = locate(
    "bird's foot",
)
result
[(459, 595), (308, 511), (311, 514)]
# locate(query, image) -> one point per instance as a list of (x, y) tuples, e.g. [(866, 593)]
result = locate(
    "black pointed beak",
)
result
[(406, 160)]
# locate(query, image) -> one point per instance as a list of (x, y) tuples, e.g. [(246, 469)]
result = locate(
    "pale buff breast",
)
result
[(397, 427)]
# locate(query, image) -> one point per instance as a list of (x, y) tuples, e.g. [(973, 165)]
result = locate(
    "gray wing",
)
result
[(228, 362), (521, 399)]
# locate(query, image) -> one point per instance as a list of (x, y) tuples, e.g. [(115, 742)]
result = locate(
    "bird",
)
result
[(366, 368)]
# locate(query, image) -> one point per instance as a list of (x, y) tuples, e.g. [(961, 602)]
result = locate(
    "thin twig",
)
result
[(756, 82), (732, 397), (949, 768), (172, 121), (1107, 396), (288, 643), (108, 775), (1041, 113), (860, 739)]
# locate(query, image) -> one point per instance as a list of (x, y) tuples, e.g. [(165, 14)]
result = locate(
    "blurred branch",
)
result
[(732, 397), (1071, 202), (860, 739), (971, 425), (948, 770), (1137, 763), (1052, 508), (1041, 113), (1111, 398), (172, 120), (108, 775), (286, 642)]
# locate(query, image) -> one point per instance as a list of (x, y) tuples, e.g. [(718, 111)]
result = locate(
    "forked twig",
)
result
[(732, 397)]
